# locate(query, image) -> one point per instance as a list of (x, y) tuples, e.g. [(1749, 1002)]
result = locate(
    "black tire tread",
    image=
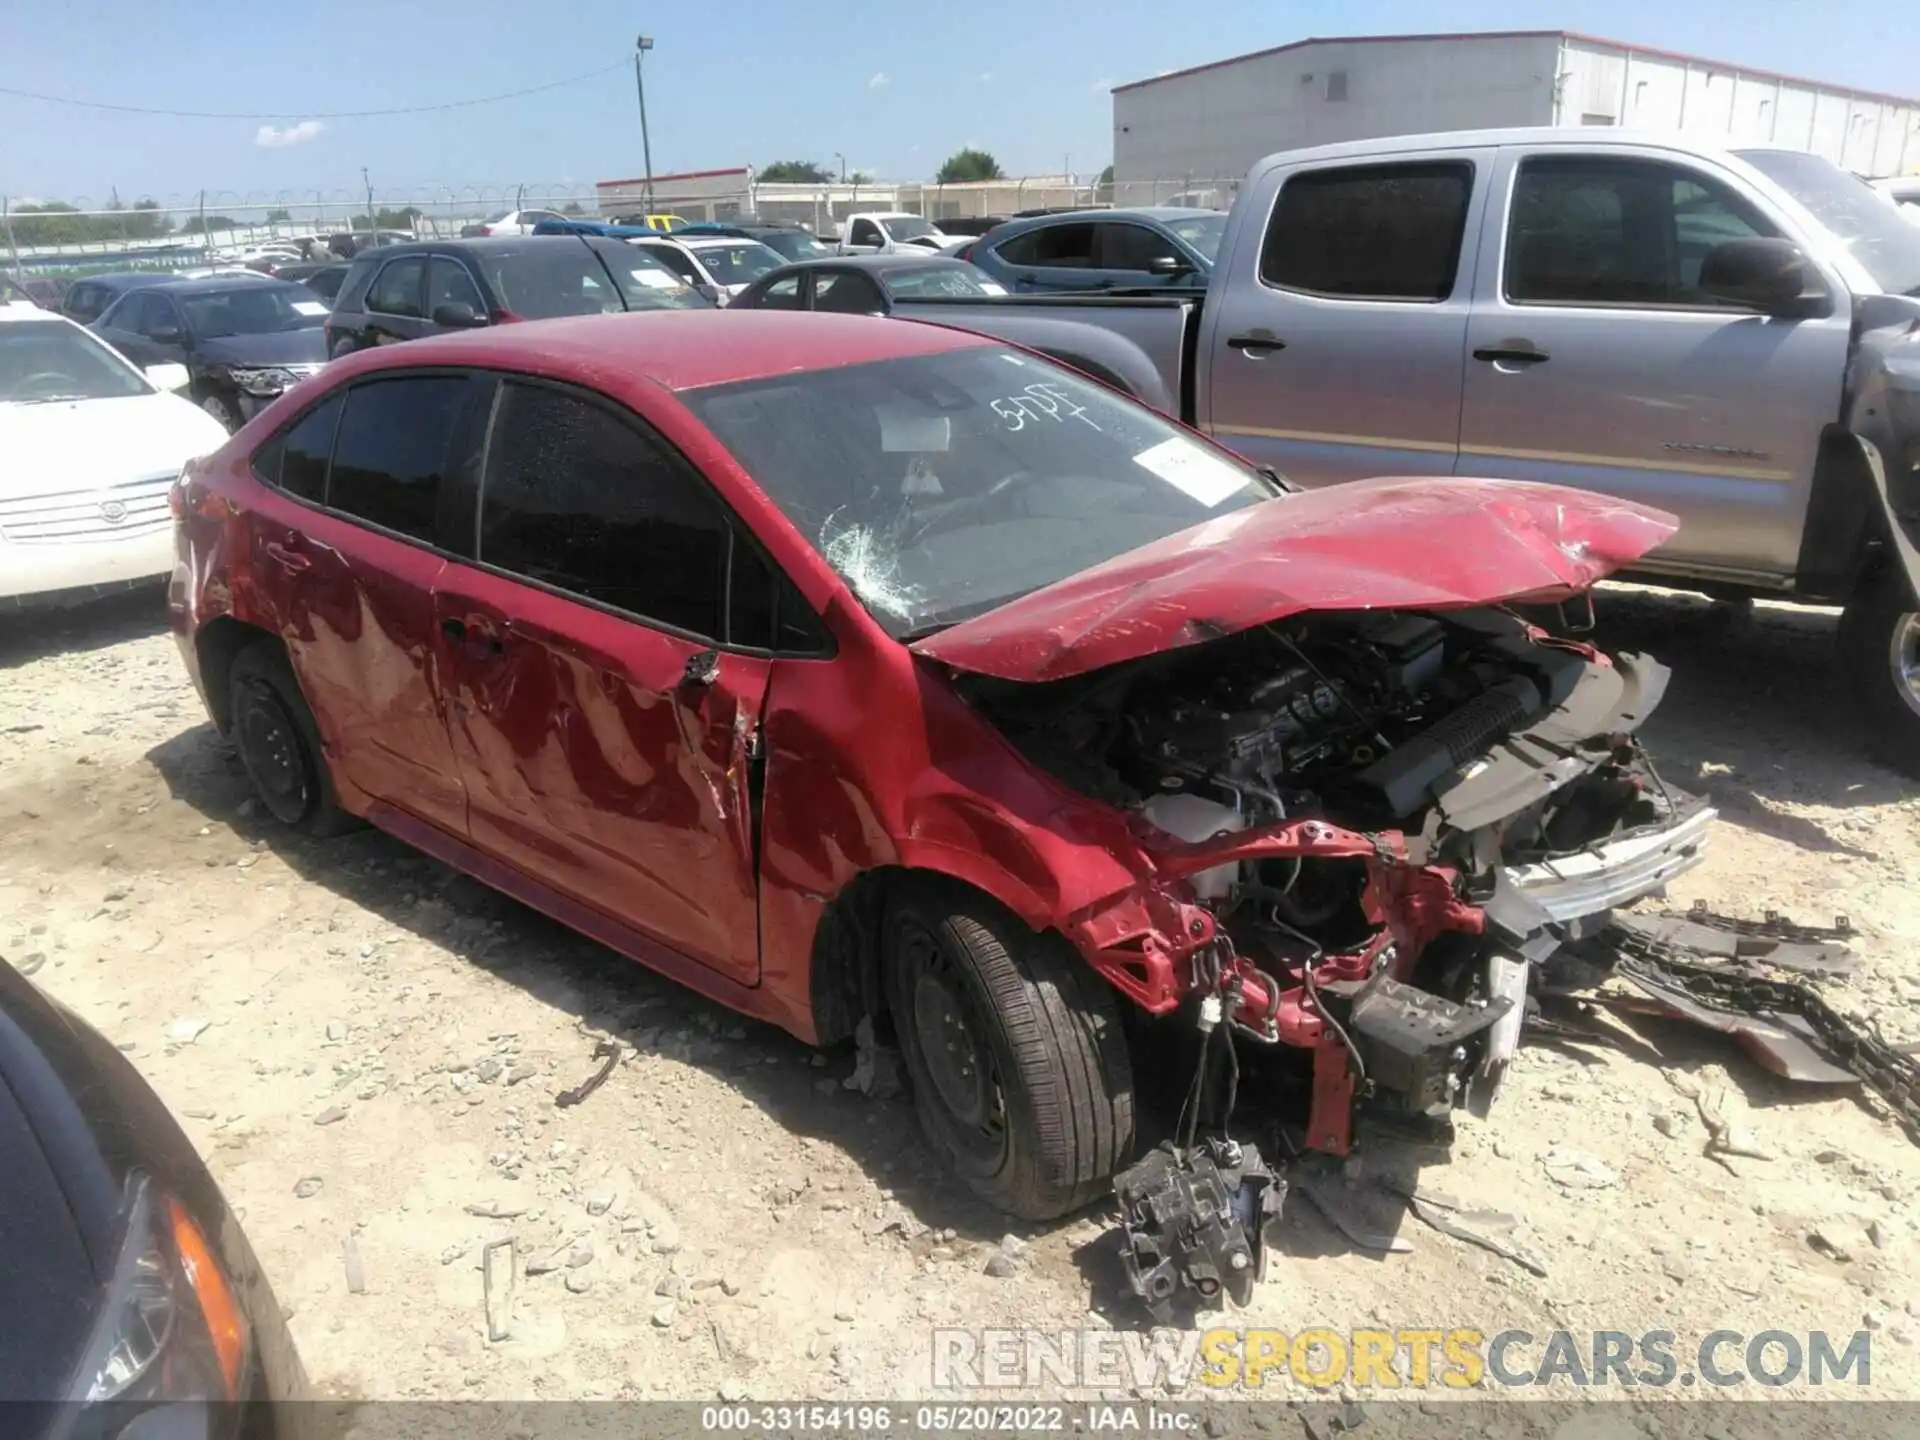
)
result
[(1072, 1080), (1892, 728), (267, 659)]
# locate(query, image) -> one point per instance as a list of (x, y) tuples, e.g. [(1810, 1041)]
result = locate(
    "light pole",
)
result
[(641, 45), (843, 166)]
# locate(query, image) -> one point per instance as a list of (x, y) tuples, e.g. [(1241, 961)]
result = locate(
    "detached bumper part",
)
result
[(1195, 1221), (1598, 879)]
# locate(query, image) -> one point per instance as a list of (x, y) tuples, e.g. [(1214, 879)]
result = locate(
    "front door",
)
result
[(608, 738), (1596, 361), (350, 588), (1334, 350), (396, 303)]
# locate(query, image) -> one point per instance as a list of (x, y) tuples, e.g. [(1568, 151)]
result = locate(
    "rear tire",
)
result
[(1880, 651), (1015, 1050), (279, 743)]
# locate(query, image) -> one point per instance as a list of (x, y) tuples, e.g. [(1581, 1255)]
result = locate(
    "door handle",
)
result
[(287, 557), (1255, 342), (1518, 352), (479, 641)]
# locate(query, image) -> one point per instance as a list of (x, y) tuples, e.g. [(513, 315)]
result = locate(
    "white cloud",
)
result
[(269, 137), (880, 80), (1102, 85), (986, 77)]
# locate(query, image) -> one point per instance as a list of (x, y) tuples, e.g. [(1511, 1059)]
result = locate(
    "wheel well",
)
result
[(1092, 369), (218, 642), (845, 983)]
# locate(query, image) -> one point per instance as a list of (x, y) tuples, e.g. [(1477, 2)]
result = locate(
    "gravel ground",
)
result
[(366, 1047)]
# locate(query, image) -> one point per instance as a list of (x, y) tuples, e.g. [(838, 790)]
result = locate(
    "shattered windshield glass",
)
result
[(942, 486)]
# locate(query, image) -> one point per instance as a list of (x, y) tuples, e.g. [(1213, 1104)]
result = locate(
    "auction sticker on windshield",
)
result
[(1191, 470), (657, 279), (309, 307)]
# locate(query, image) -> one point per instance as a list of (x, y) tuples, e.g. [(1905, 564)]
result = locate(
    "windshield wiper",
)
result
[(52, 399)]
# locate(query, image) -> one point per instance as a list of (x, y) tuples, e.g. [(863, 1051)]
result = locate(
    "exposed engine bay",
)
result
[(1384, 822), (1494, 769)]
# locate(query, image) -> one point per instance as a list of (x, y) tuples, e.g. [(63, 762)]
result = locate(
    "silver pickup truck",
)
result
[(1734, 337)]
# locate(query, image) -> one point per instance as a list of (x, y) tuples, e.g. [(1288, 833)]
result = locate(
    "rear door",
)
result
[(1333, 331), (396, 303), (346, 558), (607, 731), (1595, 360)]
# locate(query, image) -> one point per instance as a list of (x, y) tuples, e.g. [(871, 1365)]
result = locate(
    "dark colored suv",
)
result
[(405, 292)]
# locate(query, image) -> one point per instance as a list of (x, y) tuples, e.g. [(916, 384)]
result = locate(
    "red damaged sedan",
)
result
[(841, 668)]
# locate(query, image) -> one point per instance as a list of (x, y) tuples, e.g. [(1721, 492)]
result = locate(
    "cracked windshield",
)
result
[(1012, 719), (942, 486)]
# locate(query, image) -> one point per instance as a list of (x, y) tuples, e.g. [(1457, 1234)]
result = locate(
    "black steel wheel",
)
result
[(1014, 1045), (279, 744)]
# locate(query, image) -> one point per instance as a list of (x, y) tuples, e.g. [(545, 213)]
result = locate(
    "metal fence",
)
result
[(180, 230)]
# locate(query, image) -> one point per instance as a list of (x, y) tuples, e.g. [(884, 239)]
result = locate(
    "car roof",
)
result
[(14, 310), (674, 349), (1161, 213), (478, 244), (213, 284), (925, 260), (126, 279)]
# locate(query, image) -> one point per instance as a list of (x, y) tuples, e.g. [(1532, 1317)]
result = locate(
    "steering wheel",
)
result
[(47, 379), (968, 506)]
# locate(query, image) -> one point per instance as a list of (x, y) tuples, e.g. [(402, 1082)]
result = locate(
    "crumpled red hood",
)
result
[(1401, 544)]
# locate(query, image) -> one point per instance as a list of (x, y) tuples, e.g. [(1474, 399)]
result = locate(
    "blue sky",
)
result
[(894, 87)]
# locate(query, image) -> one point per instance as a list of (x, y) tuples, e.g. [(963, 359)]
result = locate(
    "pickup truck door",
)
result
[(1594, 359), (1335, 322)]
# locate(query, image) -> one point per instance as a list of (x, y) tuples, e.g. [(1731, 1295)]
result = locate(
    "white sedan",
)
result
[(718, 266), (89, 448), (511, 222)]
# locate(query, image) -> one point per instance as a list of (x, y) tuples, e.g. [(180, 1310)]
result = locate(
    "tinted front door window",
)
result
[(397, 291), (448, 283), (582, 500), (391, 455)]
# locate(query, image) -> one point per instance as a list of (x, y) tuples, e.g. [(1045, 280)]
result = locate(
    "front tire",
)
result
[(223, 410), (1015, 1050), (279, 744), (1880, 650)]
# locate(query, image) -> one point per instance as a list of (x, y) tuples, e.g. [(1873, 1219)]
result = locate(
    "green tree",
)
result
[(275, 217), (53, 222), (572, 207), (1103, 187), (861, 177), (146, 220), (193, 225), (797, 172), (969, 165), (396, 219)]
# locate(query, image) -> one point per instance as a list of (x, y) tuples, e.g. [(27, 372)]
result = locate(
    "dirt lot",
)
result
[(366, 1047)]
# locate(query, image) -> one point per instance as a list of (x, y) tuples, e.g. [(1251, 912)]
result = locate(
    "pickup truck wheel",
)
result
[(1015, 1052), (1880, 648), (279, 744)]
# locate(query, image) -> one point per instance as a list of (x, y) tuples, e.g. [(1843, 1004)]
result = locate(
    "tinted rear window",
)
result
[(391, 454), (1377, 232), (557, 275)]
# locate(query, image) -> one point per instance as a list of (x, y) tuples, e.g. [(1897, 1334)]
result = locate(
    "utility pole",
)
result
[(843, 166), (369, 184), (641, 45), (6, 218)]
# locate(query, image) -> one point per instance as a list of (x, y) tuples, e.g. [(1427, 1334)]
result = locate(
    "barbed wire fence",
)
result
[(184, 229)]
